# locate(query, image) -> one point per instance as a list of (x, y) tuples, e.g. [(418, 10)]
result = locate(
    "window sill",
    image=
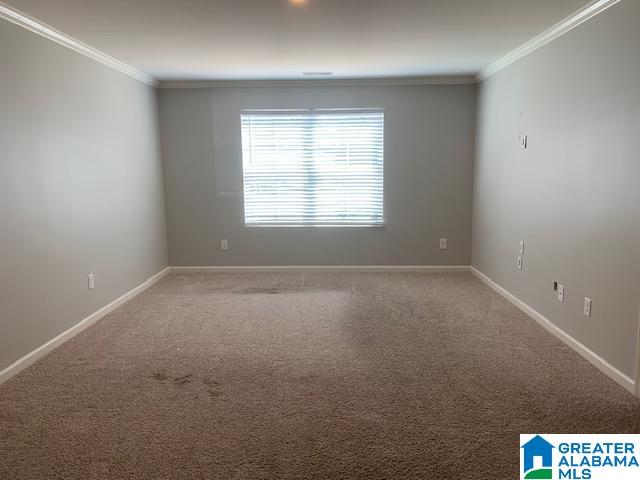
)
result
[(377, 225)]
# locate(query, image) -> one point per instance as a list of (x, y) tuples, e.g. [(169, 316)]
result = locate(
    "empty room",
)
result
[(319, 239)]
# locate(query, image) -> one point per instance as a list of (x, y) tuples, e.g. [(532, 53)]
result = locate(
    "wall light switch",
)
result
[(91, 282), (524, 141), (443, 244), (560, 293), (224, 244), (521, 248), (520, 261), (587, 306)]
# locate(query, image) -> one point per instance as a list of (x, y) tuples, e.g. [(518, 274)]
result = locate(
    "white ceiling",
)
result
[(273, 39)]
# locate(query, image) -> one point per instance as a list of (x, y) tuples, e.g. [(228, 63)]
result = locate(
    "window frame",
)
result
[(311, 111)]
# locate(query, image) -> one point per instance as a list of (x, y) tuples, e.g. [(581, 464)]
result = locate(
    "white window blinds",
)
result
[(313, 168)]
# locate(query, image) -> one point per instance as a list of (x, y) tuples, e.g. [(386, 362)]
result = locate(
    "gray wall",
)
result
[(573, 195), (429, 146), (80, 188)]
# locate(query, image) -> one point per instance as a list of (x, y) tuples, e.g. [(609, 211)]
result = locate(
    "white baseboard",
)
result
[(638, 360), (600, 363), (324, 268), (604, 366), (41, 351)]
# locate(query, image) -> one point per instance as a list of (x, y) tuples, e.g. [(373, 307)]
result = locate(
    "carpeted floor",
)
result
[(303, 376)]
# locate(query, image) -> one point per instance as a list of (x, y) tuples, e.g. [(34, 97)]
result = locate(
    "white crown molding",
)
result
[(597, 361), (592, 9), (325, 82), (321, 268), (25, 21), (569, 23)]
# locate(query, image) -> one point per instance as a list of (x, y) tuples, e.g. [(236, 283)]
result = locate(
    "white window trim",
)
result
[(380, 224)]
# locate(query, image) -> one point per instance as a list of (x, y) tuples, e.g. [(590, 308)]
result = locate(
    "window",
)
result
[(313, 168)]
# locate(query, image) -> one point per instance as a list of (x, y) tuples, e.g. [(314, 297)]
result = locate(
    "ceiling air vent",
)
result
[(317, 74)]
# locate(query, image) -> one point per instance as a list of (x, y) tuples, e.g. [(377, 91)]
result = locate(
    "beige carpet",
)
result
[(302, 376)]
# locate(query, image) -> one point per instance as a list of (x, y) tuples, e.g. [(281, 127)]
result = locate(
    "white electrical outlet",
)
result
[(224, 244), (587, 306), (524, 140), (521, 248), (520, 260), (443, 244), (560, 293), (91, 282)]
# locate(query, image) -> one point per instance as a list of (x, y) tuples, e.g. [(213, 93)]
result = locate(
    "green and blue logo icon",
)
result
[(552, 456), (537, 459)]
